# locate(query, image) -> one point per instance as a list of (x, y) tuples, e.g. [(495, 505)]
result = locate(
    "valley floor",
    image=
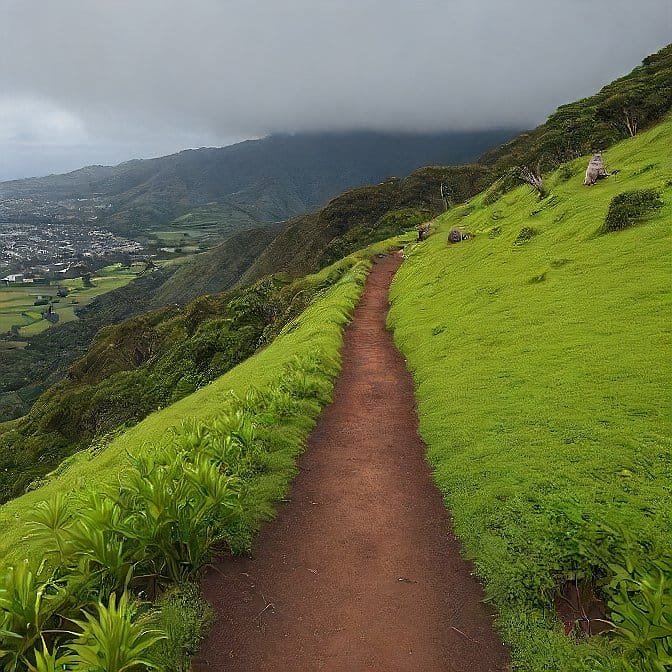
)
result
[(361, 570)]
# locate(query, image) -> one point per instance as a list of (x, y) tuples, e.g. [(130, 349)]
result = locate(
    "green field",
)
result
[(543, 365), (17, 303)]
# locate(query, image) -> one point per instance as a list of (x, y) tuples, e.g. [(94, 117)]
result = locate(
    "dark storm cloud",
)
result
[(138, 77)]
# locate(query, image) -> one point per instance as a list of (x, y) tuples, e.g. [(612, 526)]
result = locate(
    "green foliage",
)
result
[(113, 639), (185, 618), (558, 423), (628, 207), (27, 604), (49, 661)]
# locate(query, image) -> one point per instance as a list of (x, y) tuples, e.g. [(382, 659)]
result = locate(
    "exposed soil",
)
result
[(582, 613), (360, 570)]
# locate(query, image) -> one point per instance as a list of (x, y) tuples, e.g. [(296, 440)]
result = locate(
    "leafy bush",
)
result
[(636, 579), (114, 639), (626, 208)]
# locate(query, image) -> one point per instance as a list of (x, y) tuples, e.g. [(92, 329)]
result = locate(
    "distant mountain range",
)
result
[(252, 183)]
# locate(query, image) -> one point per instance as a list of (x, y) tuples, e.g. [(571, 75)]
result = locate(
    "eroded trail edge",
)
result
[(360, 570)]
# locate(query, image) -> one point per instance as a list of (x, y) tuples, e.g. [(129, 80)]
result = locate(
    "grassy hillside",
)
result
[(148, 362), (542, 355), (318, 328), (215, 270)]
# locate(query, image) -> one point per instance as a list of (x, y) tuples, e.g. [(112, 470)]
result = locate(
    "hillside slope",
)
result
[(542, 355), (365, 215), (26, 373), (314, 332), (253, 182)]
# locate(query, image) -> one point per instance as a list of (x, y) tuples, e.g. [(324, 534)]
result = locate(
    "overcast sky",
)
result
[(102, 81)]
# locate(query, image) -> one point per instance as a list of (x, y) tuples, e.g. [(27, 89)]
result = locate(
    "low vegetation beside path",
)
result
[(143, 515)]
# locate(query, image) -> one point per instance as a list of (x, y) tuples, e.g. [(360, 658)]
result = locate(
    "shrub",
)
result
[(565, 172), (526, 233), (114, 640), (628, 207)]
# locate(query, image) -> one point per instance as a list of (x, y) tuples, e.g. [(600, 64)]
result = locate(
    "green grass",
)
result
[(317, 329), (16, 303), (279, 391), (542, 369)]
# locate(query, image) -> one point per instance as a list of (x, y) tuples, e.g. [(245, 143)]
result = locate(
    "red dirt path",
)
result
[(360, 570)]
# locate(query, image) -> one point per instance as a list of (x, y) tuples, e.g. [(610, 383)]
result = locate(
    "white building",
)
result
[(14, 277)]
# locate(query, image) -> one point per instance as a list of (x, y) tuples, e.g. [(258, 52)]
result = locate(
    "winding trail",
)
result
[(360, 571)]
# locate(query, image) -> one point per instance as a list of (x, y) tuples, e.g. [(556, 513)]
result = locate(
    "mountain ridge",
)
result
[(270, 180)]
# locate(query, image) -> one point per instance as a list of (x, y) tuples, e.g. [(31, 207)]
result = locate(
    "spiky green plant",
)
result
[(27, 603), (49, 661), (113, 639), (51, 524)]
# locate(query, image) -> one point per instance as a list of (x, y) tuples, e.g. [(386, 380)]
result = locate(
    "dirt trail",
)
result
[(360, 570)]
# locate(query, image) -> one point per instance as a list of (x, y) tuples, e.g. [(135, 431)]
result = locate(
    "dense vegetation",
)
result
[(150, 509), (26, 373), (542, 363), (147, 362)]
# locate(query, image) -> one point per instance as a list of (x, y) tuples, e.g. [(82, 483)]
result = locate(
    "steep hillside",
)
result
[(540, 347), (623, 107), (254, 182), (542, 357), (148, 362), (347, 223), (365, 215), (26, 373)]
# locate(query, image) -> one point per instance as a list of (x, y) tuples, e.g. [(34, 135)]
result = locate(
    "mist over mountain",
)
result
[(252, 182)]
